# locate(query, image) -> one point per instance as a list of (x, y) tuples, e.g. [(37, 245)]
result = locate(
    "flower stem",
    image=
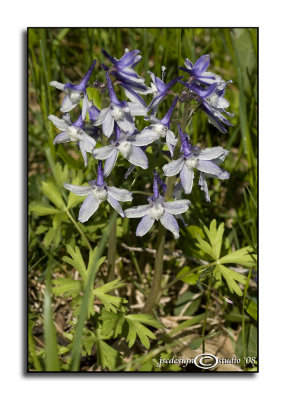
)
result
[(156, 289), (111, 255), (79, 229), (206, 316)]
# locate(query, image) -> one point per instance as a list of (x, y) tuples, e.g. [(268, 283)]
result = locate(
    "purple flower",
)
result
[(136, 105), (75, 93), (96, 193), (124, 72), (158, 210), (117, 111), (159, 129), (160, 91), (206, 161), (198, 72), (123, 144), (73, 132)]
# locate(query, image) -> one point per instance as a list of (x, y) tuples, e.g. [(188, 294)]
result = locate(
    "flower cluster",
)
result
[(111, 132)]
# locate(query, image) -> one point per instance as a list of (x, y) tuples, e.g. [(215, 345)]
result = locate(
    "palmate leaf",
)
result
[(231, 277), (215, 237), (51, 191), (242, 256), (76, 261), (107, 356), (111, 324), (136, 327), (66, 287), (111, 303), (42, 208)]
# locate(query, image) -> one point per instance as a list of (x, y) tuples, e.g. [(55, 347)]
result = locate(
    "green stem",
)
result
[(79, 229), (111, 256), (243, 315), (206, 316)]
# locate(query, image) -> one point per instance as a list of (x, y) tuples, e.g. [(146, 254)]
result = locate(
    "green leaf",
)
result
[(189, 322), (76, 261), (66, 287), (111, 303), (242, 256), (136, 328), (185, 305), (204, 246), (252, 309), (230, 277), (51, 191), (42, 208), (112, 324), (106, 354), (215, 237), (187, 276)]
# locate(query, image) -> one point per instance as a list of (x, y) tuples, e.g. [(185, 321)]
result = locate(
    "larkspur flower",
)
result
[(96, 193), (75, 93), (195, 158), (123, 70), (123, 144), (159, 129), (158, 210), (198, 72), (73, 132), (160, 90), (117, 111)]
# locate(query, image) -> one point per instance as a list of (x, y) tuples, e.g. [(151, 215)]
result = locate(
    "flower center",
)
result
[(74, 133), (161, 130), (156, 211), (100, 193), (124, 148), (192, 162), (75, 96), (116, 112)]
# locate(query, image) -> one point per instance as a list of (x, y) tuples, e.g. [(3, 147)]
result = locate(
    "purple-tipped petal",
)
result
[(79, 123), (78, 190), (127, 59), (119, 194), (83, 84), (113, 60), (63, 137), (201, 65), (174, 167)]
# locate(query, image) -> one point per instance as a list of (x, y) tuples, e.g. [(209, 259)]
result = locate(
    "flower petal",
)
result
[(88, 142), (102, 153), (137, 211), (137, 109), (137, 157), (102, 116), (63, 137), (126, 123), (144, 225), (67, 105), (108, 125), (211, 153), (84, 106), (78, 190), (170, 223), (58, 122), (177, 206), (174, 167), (204, 186), (171, 141), (187, 177), (88, 208), (119, 194), (57, 85), (83, 152), (146, 137), (114, 203), (209, 167), (110, 162)]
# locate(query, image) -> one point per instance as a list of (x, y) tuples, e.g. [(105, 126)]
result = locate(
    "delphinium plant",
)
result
[(126, 128)]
